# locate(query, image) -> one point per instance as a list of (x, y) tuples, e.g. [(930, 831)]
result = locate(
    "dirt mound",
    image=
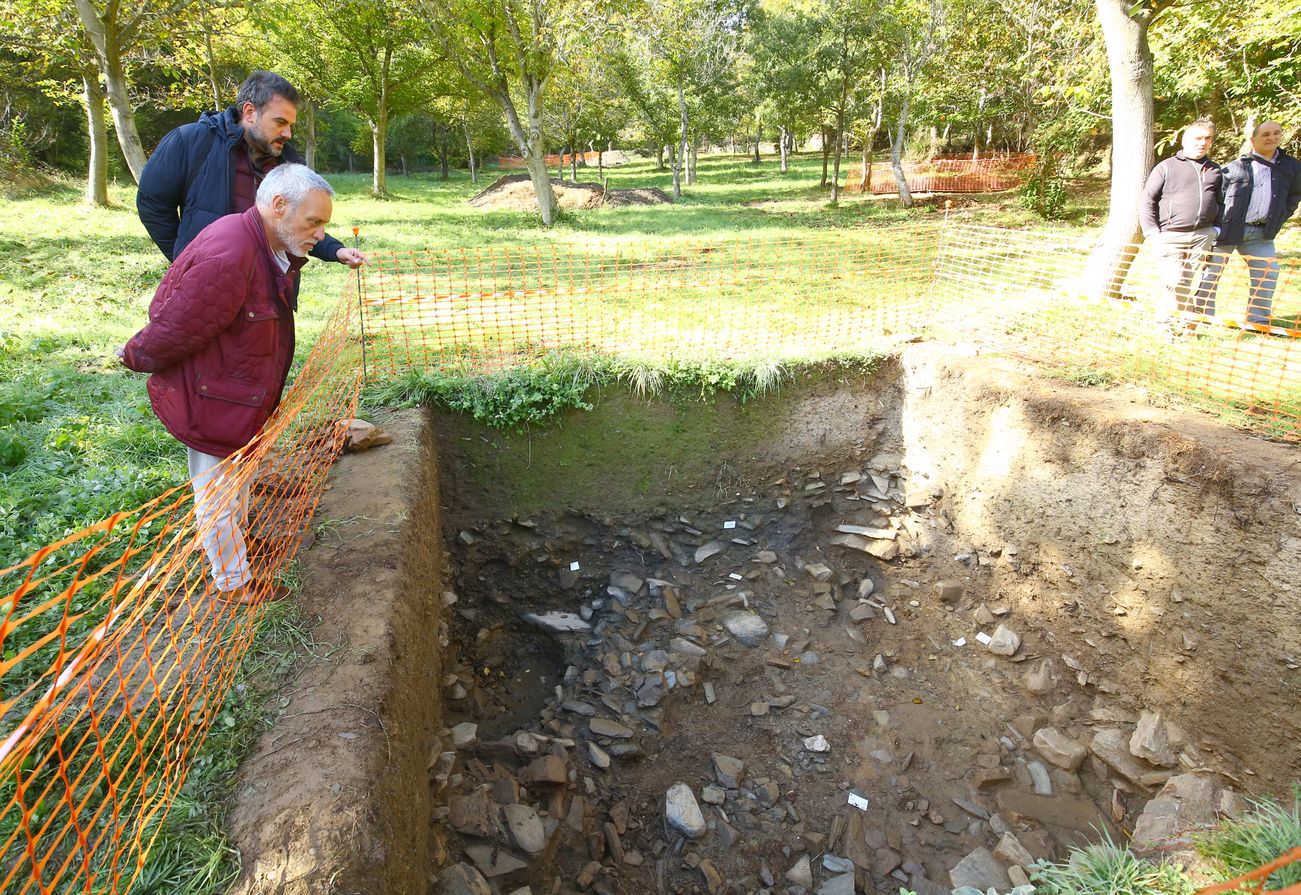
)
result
[(648, 196), (514, 192)]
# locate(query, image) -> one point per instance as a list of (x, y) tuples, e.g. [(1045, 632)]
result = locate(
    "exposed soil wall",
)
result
[(333, 800), (1161, 549)]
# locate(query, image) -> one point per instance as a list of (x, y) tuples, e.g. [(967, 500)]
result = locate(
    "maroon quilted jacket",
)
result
[(220, 336)]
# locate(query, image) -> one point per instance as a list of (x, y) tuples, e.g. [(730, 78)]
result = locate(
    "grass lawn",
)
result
[(78, 440)]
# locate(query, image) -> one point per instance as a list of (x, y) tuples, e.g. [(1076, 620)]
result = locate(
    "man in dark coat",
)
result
[(219, 343), (1261, 192), (1180, 214), (206, 170)]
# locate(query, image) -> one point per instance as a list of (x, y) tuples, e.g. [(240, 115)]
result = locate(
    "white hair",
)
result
[(293, 182)]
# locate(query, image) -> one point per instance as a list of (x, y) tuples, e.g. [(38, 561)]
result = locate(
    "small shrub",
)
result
[(1267, 832), (1109, 869), (1045, 195)]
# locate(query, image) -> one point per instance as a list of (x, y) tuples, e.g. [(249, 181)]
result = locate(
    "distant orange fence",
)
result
[(117, 654), (553, 160), (945, 175)]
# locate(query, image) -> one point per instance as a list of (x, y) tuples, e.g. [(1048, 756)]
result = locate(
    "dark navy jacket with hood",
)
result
[(188, 181)]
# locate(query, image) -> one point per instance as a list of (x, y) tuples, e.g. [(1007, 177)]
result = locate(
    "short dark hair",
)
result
[(260, 87)]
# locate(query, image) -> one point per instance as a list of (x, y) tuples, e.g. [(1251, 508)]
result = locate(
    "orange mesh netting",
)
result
[(117, 654), (1256, 879), (943, 175)]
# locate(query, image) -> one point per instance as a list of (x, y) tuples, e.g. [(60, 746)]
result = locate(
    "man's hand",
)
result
[(351, 257), (120, 351)]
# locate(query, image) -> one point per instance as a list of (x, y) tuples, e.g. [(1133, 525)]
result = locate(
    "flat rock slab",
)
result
[(838, 885), (1071, 821), (980, 870), (493, 860), (462, 879), (746, 627), (558, 622)]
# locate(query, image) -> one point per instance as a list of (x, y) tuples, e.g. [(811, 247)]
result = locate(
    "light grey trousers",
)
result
[(220, 509)]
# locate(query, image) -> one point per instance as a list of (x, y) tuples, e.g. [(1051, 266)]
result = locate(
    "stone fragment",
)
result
[(1112, 747), (885, 861), (1018, 876), (817, 744), (713, 879), (983, 617), (988, 778), (1151, 742), (838, 885), (558, 622), (627, 581), (465, 735), (747, 627), (682, 812), (550, 769), (525, 828), (598, 756), (980, 871), (819, 571), (801, 874), (578, 707), (494, 861), (1039, 778), (1005, 641), (713, 795), (879, 664), (474, 814), (684, 647), (767, 557), (949, 590), (1011, 851), (1058, 748), (604, 727), (462, 879), (1039, 679), (728, 771), (705, 551), (362, 436), (1186, 803)]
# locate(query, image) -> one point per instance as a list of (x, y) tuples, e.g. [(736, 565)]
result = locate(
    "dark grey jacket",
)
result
[(1181, 194), (1285, 195), (187, 183)]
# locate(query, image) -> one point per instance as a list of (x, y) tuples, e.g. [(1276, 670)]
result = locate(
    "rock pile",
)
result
[(790, 692)]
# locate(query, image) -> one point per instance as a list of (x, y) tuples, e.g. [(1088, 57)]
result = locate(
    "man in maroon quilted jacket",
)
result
[(219, 343)]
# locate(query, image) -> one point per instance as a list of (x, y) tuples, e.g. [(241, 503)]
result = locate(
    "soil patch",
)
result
[(514, 192)]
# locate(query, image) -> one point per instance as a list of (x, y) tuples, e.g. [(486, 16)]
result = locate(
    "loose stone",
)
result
[(1058, 748), (747, 627), (682, 812)]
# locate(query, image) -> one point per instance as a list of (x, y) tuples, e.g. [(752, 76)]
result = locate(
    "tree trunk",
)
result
[(682, 138), (444, 153), (659, 157), (469, 148), (781, 145), (676, 168), (104, 38), (835, 170), (691, 165), (947, 127), (97, 175), (896, 155), (402, 160), (211, 58), (758, 138), (1129, 60), (934, 148), (309, 133), (378, 138), (826, 151), (573, 163)]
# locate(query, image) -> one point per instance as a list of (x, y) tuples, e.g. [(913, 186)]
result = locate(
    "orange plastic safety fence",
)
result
[(1255, 880), (116, 653), (943, 175), (553, 159)]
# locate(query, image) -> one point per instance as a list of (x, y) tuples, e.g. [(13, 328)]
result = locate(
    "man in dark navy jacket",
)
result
[(212, 168)]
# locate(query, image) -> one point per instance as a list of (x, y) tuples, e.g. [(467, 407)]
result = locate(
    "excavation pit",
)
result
[(1146, 562)]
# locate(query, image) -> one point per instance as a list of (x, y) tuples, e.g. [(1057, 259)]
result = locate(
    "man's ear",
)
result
[(279, 205), (247, 111)]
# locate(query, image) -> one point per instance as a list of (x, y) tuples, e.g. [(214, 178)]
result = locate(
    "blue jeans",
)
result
[(1262, 268)]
